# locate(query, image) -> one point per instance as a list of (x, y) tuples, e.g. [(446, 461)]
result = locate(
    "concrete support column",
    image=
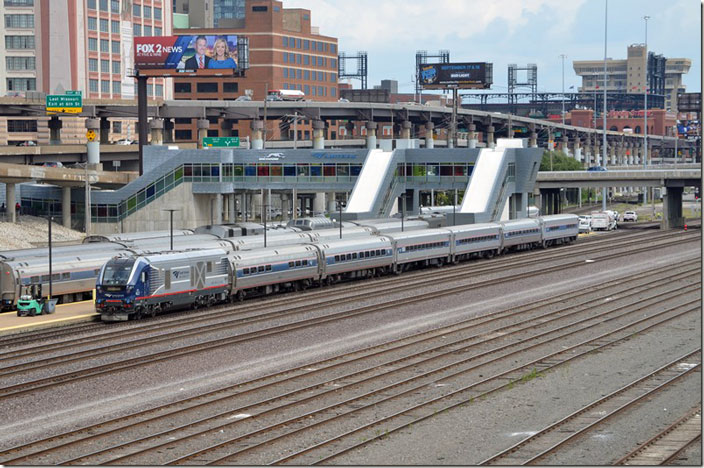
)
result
[(612, 154), (472, 136), (226, 126), (93, 146), (429, 131), (66, 206), (565, 148), (168, 131), (577, 151), (331, 202), (231, 208), (490, 137), (406, 130), (672, 208), (285, 206), (533, 140), (156, 128), (55, 126), (243, 205), (255, 206), (104, 131), (319, 203), (371, 134), (217, 208), (10, 202), (202, 125), (415, 204), (318, 134), (257, 127)]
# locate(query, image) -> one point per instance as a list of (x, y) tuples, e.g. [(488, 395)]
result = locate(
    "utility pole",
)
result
[(603, 153), (645, 113), (563, 88)]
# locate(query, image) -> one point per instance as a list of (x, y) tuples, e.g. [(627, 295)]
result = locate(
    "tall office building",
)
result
[(51, 46), (628, 75), (285, 52)]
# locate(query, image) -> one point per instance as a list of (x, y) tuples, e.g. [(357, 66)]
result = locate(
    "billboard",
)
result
[(460, 75), (199, 54)]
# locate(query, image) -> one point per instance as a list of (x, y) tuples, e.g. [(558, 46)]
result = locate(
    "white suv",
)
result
[(630, 216)]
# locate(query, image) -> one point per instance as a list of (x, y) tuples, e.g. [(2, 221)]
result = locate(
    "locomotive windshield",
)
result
[(117, 272)]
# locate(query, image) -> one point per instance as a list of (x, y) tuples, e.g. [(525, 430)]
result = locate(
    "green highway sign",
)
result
[(64, 103), (221, 142), (73, 92)]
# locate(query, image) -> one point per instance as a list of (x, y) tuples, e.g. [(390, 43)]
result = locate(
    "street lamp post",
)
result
[(603, 154), (171, 225), (51, 218), (340, 205), (676, 138), (645, 113), (563, 87)]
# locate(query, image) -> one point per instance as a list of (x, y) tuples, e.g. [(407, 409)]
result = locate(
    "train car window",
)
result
[(378, 252), (34, 279), (366, 254), (305, 262), (65, 275), (291, 264), (298, 263), (373, 254), (245, 271), (260, 268), (337, 258), (354, 256), (268, 268), (349, 256)]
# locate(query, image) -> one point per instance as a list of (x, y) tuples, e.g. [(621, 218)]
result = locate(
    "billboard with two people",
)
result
[(186, 53)]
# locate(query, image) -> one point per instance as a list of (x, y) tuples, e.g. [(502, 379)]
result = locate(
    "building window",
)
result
[(320, 61), (299, 73), (105, 86), (306, 45), (104, 5), (259, 8), (298, 59), (92, 44), (157, 13), (136, 10), (115, 6), (116, 68), (137, 29), (333, 63), (284, 41), (104, 24), (333, 92), (333, 78), (183, 134), (21, 84), (17, 126), (104, 45), (147, 30), (285, 57), (116, 87), (306, 89), (93, 86), (105, 66), (182, 88), (91, 4), (229, 87), (150, 89), (298, 43), (147, 11), (20, 63), (117, 127), (213, 133), (285, 72), (207, 87), (92, 23), (333, 48), (115, 27), (115, 47), (306, 75), (157, 31), (292, 57), (19, 21), (321, 91), (19, 42), (159, 90), (93, 65), (306, 60)]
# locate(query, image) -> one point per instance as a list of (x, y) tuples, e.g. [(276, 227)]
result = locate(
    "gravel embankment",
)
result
[(31, 231)]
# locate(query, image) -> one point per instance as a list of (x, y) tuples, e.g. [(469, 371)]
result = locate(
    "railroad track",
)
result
[(256, 317), (551, 439), (349, 292), (665, 447), (254, 415), (475, 268)]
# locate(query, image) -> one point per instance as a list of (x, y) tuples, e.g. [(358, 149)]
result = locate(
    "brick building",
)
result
[(285, 52), (660, 121)]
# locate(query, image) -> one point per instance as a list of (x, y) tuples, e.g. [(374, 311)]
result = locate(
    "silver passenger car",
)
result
[(521, 234), (426, 247), (356, 258), (559, 228), (482, 239)]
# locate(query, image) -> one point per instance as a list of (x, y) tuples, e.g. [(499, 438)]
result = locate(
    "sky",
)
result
[(506, 31)]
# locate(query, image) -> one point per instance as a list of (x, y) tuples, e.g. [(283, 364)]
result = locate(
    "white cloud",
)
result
[(397, 23)]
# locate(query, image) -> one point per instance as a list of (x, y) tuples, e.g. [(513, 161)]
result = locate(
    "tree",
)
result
[(560, 162)]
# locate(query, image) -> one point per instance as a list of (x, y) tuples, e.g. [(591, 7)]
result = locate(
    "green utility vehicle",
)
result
[(32, 303)]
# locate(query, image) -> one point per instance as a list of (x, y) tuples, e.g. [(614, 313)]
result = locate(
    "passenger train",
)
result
[(136, 285), (75, 267)]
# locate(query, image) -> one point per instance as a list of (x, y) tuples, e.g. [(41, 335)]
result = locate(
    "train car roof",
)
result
[(357, 242), (272, 251), (517, 223), (57, 250), (398, 235), (126, 237), (472, 227)]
